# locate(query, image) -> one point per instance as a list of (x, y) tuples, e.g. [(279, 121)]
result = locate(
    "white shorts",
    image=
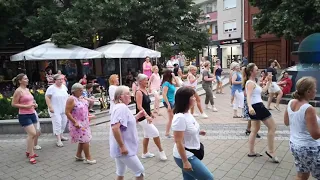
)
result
[(149, 130), (132, 162), (274, 88)]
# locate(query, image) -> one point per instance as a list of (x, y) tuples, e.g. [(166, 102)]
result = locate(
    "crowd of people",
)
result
[(179, 92)]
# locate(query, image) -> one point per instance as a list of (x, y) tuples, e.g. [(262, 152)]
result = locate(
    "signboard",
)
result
[(230, 41)]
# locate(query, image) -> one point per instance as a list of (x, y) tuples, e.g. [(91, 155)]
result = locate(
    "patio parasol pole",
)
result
[(120, 72)]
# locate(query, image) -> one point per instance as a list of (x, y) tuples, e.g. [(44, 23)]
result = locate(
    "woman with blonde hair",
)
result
[(149, 130), (304, 125), (56, 98), (24, 101), (113, 84), (258, 112), (79, 125), (123, 138), (154, 87), (236, 90), (192, 81), (207, 79)]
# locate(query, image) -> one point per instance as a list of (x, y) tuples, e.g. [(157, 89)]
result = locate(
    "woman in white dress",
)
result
[(56, 98), (113, 84)]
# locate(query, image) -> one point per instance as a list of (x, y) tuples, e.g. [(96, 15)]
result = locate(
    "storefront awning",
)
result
[(49, 51)]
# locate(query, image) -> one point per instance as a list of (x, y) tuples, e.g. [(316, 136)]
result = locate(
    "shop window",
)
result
[(230, 26), (228, 4)]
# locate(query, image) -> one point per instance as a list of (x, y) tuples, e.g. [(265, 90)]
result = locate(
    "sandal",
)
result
[(274, 159), (32, 159), (277, 108), (255, 155), (248, 133), (59, 144), (28, 154), (237, 116)]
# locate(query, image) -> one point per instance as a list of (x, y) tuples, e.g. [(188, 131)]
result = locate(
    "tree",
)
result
[(80, 21), (288, 18)]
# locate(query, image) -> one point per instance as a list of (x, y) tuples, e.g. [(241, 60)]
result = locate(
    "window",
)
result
[(209, 8), (228, 4), (230, 26), (254, 20)]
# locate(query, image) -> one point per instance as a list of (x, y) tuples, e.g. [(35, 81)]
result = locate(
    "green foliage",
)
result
[(288, 18), (79, 21), (9, 112)]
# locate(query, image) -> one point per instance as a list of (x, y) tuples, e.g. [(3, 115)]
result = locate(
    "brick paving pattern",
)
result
[(225, 153)]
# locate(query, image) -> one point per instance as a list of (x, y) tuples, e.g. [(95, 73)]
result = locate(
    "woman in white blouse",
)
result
[(188, 151), (56, 98), (113, 84)]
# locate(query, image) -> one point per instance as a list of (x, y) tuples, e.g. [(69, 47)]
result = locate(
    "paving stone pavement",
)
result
[(225, 153)]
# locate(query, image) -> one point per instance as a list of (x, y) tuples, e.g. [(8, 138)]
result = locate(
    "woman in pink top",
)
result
[(147, 66), (154, 87), (23, 99)]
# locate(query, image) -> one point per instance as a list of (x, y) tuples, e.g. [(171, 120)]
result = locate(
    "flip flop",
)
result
[(274, 159), (237, 116), (270, 109), (277, 108), (255, 155)]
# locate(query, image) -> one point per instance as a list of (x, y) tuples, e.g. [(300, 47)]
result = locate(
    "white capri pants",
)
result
[(59, 123), (238, 100), (149, 130), (132, 162)]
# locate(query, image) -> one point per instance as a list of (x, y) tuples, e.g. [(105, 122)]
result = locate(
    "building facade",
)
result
[(260, 49), (223, 20)]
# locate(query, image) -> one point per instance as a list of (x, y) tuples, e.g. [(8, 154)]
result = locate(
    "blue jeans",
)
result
[(200, 171)]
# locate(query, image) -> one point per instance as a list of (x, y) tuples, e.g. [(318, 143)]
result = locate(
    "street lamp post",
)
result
[(208, 26)]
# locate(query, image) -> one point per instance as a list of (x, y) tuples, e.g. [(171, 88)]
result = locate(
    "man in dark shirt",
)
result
[(274, 89)]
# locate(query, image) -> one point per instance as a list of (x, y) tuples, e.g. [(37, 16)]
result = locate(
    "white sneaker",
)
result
[(147, 155), (37, 147), (214, 109), (203, 115), (87, 161), (162, 156), (195, 114), (64, 138), (59, 144)]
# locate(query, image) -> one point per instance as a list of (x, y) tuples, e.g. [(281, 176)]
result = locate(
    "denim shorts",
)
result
[(218, 78), (27, 119), (171, 105)]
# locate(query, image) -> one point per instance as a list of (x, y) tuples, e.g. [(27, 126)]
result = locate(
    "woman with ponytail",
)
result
[(258, 112), (23, 99), (304, 125)]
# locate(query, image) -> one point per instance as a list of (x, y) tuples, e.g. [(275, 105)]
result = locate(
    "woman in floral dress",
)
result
[(79, 125)]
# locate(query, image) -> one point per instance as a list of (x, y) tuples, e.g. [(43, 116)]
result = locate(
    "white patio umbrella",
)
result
[(120, 48), (49, 51)]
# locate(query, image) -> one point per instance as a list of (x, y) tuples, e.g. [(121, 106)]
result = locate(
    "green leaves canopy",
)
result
[(79, 21), (288, 18)]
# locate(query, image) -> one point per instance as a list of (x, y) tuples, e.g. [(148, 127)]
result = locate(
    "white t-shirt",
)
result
[(59, 97), (187, 123), (171, 63), (112, 90)]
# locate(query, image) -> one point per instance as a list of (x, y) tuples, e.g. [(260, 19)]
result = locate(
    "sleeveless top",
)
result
[(236, 87), (26, 99), (192, 85), (256, 93), (145, 105), (218, 71), (147, 72), (299, 134)]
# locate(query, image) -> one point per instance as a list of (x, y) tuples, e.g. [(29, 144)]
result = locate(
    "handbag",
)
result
[(199, 153)]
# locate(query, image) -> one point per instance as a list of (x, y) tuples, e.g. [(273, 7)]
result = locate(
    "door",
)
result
[(261, 52)]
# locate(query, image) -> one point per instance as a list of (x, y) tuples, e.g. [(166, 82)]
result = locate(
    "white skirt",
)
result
[(149, 130)]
